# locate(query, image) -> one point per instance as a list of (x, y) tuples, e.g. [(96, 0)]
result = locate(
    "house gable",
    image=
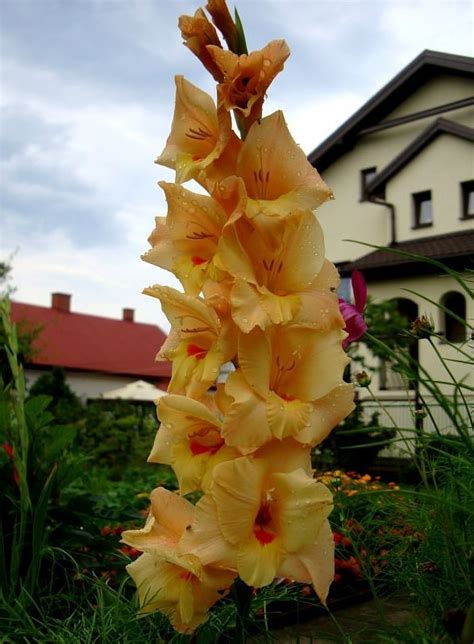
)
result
[(435, 129), (392, 153), (408, 81)]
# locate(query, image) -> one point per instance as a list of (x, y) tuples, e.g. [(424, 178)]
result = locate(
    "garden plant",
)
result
[(239, 529)]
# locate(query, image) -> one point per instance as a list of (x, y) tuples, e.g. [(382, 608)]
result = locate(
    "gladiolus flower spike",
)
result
[(258, 292)]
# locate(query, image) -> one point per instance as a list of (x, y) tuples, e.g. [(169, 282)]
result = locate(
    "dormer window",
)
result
[(366, 177), (422, 209), (467, 191)]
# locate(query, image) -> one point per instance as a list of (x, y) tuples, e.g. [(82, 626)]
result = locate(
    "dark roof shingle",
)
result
[(453, 249)]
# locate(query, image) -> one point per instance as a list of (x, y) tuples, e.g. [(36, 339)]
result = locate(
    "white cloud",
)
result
[(101, 281), (80, 177)]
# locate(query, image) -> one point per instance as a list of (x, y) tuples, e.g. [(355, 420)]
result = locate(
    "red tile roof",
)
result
[(91, 343)]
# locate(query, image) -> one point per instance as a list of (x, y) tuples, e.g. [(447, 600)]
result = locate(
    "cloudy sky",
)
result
[(86, 104)]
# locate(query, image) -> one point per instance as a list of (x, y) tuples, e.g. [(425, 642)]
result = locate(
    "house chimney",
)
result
[(128, 314), (61, 302)]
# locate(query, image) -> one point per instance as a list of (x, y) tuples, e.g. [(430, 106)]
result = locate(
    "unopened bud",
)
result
[(422, 327), (362, 378)]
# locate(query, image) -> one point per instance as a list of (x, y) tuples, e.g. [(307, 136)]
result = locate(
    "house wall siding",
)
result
[(426, 292), (440, 167), (349, 218), (444, 88), (86, 385)]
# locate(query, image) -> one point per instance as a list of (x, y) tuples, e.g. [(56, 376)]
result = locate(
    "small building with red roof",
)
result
[(97, 353)]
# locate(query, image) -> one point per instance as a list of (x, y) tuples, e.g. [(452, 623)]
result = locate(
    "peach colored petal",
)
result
[(190, 440), (257, 564), (286, 417), (254, 306), (278, 177), (171, 510), (222, 167), (231, 195), (161, 452), (169, 517), (327, 279), (190, 469), (217, 295), (204, 537), (314, 564), (223, 20), (198, 133), (255, 355), (319, 310), (237, 493), (182, 591), (186, 242), (303, 254), (245, 424), (303, 505), (280, 309), (327, 413), (306, 365), (233, 252), (197, 33), (285, 456), (199, 343), (271, 268), (247, 77), (185, 413), (163, 253)]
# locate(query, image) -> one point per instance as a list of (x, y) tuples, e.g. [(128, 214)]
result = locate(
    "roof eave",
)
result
[(436, 128), (345, 135)]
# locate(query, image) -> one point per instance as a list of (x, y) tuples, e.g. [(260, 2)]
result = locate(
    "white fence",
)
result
[(400, 413)]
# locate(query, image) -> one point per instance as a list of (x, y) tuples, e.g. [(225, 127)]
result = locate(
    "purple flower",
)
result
[(353, 313)]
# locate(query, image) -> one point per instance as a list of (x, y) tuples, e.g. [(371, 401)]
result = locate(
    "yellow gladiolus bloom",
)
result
[(313, 564), (186, 241), (198, 344), (223, 20), (197, 33), (278, 177), (189, 439), (289, 383), (271, 267), (167, 578), (247, 77), (260, 509), (199, 133)]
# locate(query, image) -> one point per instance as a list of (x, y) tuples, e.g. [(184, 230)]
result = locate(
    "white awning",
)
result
[(138, 390)]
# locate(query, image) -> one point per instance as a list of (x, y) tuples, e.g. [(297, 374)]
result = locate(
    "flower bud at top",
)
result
[(223, 20)]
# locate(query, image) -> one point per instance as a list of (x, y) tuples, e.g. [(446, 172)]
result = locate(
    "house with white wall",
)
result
[(97, 353), (402, 172)]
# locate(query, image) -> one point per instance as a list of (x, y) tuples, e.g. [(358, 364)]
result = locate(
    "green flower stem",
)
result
[(242, 595)]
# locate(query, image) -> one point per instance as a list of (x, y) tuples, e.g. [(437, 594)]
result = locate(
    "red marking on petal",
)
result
[(197, 448), (198, 260), (263, 535), (198, 352)]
